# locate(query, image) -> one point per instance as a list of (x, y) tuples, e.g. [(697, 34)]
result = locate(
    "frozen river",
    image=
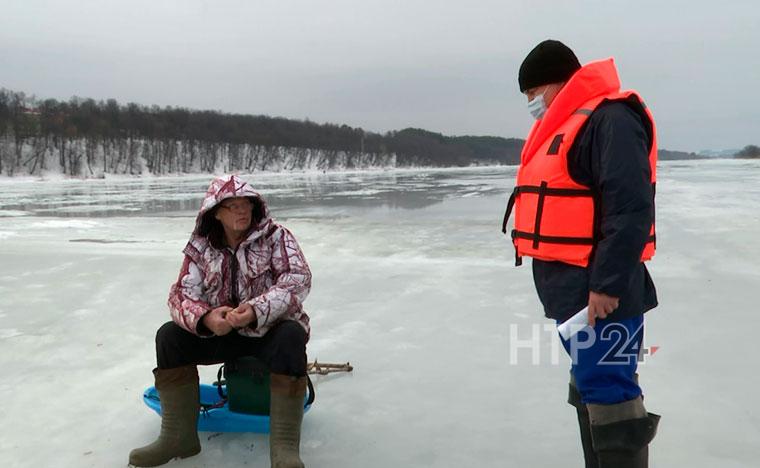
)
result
[(414, 284)]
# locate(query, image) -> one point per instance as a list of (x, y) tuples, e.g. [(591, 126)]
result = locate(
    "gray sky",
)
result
[(382, 65)]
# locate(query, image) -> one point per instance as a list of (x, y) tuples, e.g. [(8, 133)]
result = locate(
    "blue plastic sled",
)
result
[(219, 419)]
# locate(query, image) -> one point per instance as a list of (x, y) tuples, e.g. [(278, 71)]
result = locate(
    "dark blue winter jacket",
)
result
[(609, 154)]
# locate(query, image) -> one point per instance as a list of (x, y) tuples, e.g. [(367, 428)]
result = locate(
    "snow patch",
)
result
[(65, 224), (357, 193), (82, 312), (7, 234), (9, 333), (13, 213)]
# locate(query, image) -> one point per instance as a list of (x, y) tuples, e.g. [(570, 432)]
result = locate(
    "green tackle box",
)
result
[(247, 380)]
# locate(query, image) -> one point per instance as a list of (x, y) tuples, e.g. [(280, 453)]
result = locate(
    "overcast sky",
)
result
[(441, 65)]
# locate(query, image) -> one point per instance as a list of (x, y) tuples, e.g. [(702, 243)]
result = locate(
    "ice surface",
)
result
[(413, 283)]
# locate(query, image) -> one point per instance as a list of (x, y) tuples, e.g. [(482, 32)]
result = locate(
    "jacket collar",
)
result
[(590, 81)]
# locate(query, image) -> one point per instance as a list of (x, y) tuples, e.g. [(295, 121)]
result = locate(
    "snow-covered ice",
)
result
[(413, 284)]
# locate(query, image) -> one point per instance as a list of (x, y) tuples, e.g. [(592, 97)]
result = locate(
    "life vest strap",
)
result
[(537, 189), (562, 239), (508, 212), (542, 191), (553, 192), (552, 239), (539, 212)]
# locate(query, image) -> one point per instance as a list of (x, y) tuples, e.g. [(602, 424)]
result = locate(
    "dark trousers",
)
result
[(282, 349)]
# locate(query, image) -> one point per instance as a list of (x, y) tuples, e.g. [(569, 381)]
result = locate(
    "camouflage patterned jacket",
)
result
[(268, 269)]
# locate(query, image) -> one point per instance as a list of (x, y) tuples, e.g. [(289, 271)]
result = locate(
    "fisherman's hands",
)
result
[(241, 317), (215, 321), (600, 306)]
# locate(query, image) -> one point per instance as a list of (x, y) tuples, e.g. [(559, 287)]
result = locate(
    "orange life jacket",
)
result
[(555, 217)]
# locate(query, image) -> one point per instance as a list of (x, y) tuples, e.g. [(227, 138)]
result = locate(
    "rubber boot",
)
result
[(286, 414), (178, 391), (574, 398), (621, 433)]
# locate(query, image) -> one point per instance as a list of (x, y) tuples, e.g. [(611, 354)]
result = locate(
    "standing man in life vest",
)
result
[(584, 212)]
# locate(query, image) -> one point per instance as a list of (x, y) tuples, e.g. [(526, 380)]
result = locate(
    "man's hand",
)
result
[(215, 321), (241, 317), (600, 306)]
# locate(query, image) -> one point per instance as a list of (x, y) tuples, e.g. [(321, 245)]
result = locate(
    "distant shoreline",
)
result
[(55, 177)]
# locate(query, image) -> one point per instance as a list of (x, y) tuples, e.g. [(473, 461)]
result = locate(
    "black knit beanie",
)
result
[(549, 62)]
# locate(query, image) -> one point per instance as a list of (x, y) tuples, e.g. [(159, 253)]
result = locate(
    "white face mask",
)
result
[(537, 106)]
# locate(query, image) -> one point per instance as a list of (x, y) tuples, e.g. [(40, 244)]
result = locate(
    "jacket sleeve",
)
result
[(187, 304), (292, 281), (622, 176)]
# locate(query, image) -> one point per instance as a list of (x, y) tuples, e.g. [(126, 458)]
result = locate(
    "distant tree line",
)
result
[(82, 134), (749, 152), (87, 137), (667, 155)]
